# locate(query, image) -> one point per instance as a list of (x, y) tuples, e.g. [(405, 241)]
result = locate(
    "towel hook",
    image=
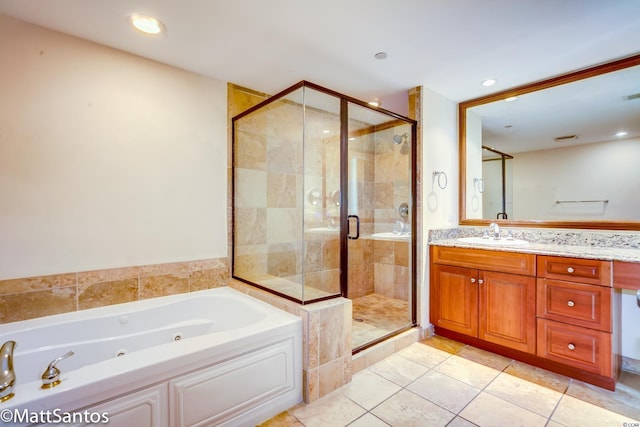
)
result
[(479, 183), (440, 175)]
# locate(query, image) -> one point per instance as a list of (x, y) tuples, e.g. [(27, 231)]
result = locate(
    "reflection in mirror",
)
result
[(573, 144), (496, 184)]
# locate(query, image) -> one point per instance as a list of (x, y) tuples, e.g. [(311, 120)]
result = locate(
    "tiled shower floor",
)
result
[(375, 316), (439, 382)]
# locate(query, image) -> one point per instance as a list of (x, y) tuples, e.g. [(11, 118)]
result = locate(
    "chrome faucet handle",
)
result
[(51, 376), (494, 228)]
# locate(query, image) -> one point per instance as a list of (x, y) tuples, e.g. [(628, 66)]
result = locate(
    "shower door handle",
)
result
[(357, 236)]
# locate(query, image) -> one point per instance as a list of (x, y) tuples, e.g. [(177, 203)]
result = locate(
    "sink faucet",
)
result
[(494, 229), (7, 375)]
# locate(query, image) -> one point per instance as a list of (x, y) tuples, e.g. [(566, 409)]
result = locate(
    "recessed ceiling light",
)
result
[(326, 131), (146, 24), (489, 82), (510, 99), (621, 133), (381, 55)]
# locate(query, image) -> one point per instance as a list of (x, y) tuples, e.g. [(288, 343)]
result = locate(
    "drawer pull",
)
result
[(570, 270), (571, 303), (571, 346), (480, 281), (473, 280)]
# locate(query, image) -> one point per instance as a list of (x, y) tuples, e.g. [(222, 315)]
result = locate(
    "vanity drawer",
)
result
[(575, 303), (595, 272), (483, 259), (579, 347)]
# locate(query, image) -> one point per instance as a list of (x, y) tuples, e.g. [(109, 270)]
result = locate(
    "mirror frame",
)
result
[(521, 90)]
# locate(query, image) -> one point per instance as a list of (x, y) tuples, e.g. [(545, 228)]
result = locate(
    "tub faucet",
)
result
[(494, 229), (7, 375), (51, 375)]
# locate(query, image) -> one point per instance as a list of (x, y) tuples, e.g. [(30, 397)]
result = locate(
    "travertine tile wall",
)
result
[(26, 298), (379, 266), (282, 153), (392, 177), (268, 207), (391, 269)]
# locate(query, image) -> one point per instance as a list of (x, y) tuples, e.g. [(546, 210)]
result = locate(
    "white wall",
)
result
[(440, 153), (601, 171), (106, 159), (630, 314)]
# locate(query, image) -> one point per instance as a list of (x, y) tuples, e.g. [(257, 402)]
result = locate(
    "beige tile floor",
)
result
[(438, 382)]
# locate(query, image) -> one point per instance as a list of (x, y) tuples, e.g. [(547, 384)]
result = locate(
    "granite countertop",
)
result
[(594, 245)]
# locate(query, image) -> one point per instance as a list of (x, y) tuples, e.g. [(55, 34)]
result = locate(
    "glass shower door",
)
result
[(379, 241)]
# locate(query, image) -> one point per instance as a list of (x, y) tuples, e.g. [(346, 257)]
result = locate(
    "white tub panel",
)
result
[(222, 393), (145, 408)]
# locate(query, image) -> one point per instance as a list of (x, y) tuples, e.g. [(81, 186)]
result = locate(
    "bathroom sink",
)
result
[(493, 242)]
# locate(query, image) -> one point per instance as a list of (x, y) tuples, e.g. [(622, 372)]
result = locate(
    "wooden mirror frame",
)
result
[(521, 90)]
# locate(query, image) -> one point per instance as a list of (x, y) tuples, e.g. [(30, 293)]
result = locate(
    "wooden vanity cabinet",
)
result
[(485, 294), (574, 310), (549, 311)]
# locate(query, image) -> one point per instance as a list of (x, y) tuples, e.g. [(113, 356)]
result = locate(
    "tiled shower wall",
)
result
[(271, 190), (30, 297), (379, 266)]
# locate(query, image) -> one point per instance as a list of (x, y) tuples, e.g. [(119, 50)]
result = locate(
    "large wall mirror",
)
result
[(562, 152)]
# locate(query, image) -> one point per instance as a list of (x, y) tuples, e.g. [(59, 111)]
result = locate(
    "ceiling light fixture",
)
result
[(381, 55), (146, 24), (489, 82), (622, 133)]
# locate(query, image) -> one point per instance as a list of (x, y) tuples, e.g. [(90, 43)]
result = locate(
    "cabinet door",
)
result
[(507, 310), (454, 299)]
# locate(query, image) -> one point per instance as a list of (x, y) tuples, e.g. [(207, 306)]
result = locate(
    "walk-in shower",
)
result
[(320, 185)]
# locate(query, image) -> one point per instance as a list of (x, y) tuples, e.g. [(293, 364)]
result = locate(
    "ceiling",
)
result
[(591, 110), (448, 46)]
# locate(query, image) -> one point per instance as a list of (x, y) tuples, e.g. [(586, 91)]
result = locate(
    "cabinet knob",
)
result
[(571, 303), (570, 270), (473, 280), (571, 346), (480, 281)]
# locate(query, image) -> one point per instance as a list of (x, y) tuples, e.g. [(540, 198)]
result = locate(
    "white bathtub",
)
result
[(215, 357)]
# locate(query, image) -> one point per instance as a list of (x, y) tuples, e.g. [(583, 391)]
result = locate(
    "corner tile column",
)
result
[(326, 336)]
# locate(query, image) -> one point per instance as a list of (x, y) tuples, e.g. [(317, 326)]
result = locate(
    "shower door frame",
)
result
[(344, 225), (344, 210)]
